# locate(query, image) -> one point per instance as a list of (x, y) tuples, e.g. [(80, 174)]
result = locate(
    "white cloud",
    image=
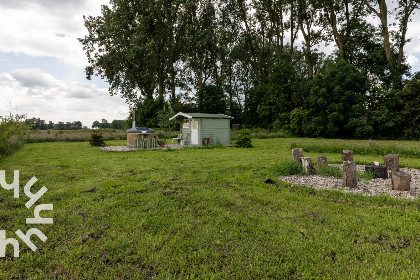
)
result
[(31, 27), (37, 94), (34, 78)]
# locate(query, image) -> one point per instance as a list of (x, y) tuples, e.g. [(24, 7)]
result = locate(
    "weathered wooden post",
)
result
[(321, 161), (307, 165), (400, 181), (349, 174), (297, 154), (392, 162), (347, 155)]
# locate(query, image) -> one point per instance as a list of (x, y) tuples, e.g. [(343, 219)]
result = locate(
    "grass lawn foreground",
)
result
[(201, 213)]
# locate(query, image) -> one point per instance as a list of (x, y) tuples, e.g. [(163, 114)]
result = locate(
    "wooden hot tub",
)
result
[(141, 137)]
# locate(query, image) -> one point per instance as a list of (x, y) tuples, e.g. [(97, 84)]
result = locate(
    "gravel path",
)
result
[(118, 148), (368, 188)]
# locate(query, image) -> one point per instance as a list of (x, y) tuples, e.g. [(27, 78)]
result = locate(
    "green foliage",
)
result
[(336, 97), (211, 99), (288, 168), (244, 139), (365, 175), (261, 133), (200, 50), (328, 170), (163, 117), (411, 111), (96, 139), (147, 112), (12, 133)]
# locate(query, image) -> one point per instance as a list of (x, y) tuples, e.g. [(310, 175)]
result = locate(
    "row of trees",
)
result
[(37, 123), (259, 53), (115, 124)]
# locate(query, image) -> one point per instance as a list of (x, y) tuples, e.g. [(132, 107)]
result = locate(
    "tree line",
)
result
[(260, 61), (38, 124)]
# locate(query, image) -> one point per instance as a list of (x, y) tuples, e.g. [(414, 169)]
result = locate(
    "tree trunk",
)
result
[(173, 85), (400, 181), (297, 154), (337, 36), (383, 16), (392, 162), (408, 10), (292, 26), (307, 165), (347, 155), (349, 174)]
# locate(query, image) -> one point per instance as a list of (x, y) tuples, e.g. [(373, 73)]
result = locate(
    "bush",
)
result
[(96, 139), (244, 140), (288, 168), (12, 133), (329, 171)]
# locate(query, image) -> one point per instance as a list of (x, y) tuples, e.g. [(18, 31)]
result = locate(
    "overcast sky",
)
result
[(42, 63)]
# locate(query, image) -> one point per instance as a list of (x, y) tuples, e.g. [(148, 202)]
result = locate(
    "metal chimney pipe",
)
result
[(134, 118)]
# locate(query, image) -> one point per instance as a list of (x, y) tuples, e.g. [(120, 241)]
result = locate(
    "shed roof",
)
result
[(200, 115)]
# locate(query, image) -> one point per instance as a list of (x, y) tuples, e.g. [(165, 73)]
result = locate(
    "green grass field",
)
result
[(201, 214)]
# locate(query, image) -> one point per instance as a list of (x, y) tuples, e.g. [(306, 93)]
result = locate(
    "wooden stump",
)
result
[(349, 174), (307, 165), (392, 162), (297, 154), (400, 181), (380, 171), (322, 160), (347, 155)]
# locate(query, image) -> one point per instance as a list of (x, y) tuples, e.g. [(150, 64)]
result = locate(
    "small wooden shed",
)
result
[(202, 129)]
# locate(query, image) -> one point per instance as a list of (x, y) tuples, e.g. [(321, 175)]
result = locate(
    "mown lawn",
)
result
[(201, 213)]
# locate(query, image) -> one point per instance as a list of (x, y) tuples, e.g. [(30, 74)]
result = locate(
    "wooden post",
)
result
[(322, 160), (349, 174), (297, 154), (347, 155), (400, 181), (307, 165), (392, 162)]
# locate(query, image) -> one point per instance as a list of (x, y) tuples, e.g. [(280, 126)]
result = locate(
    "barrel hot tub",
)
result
[(141, 137)]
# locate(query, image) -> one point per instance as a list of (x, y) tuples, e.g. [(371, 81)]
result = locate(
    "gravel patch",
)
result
[(118, 148), (375, 186)]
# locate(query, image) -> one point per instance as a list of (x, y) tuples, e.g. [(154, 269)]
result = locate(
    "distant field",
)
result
[(39, 136), (203, 213)]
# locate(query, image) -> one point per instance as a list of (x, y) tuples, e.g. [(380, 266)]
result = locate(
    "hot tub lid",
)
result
[(140, 130)]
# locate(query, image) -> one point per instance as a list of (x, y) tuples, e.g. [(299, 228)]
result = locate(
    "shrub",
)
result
[(96, 139), (288, 168), (12, 133), (329, 171), (244, 140)]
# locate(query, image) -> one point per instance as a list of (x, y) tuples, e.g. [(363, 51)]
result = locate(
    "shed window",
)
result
[(195, 125), (186, 124)]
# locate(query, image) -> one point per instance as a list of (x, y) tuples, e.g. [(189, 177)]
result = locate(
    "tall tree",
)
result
[(199, 18), (307, 18), (405, 10)]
